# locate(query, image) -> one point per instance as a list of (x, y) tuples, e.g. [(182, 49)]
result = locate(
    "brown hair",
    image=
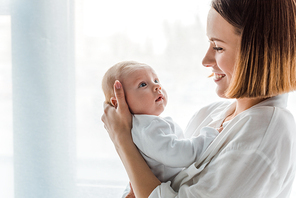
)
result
[(266, 64), (117, 72)]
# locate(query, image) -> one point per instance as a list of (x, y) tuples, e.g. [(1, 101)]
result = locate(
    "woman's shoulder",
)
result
[(282, 123), (275, 116), (264, 127), (270, 113), (269, 129)]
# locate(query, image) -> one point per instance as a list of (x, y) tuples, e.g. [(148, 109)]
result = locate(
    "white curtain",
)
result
[(43, 90)]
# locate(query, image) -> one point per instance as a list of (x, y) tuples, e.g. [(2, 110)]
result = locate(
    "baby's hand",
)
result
[(219, 129)]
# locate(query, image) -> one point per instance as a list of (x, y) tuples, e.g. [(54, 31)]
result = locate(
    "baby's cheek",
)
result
[(166, 97)]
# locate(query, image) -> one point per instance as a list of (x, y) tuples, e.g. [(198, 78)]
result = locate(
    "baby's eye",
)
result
[(156, 81), (218, 49), (142, 84)]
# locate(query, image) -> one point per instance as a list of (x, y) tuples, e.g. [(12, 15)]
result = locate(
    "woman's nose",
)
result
[(209, 59)]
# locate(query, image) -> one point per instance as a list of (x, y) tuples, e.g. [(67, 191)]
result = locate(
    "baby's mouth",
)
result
[(160, 98)]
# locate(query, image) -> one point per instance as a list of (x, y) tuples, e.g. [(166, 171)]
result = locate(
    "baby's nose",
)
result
[(157, 88)]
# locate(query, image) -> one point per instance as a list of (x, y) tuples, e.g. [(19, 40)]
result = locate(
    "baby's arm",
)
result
[(160, 142)]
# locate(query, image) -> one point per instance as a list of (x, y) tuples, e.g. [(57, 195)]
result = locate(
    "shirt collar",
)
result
[(220, 113), (276, 101)]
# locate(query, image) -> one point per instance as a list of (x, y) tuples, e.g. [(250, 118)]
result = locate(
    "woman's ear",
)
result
[(113, 101)]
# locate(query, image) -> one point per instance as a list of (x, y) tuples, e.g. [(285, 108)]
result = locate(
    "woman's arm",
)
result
[(118, 124)]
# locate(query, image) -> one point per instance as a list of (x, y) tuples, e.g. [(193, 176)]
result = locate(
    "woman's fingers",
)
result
[(219, 129), (122, 106), (103, 117), (119, 94), (106, 105), (117, 120), (131, 194), (106, 115)]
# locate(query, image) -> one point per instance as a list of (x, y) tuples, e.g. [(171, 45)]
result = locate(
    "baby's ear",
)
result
[(113, 101)]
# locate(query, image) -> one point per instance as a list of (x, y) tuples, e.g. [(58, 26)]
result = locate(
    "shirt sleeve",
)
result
[(159, 142)]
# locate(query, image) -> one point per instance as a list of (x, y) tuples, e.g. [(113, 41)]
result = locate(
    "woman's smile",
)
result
[(218, 77), (222, 52)]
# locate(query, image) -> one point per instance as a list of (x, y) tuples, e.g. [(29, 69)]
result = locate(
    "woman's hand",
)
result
[(118, 121), (219, 129), (131, 194)]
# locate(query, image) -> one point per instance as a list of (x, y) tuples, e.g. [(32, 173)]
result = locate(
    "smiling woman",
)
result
[(241, 161)]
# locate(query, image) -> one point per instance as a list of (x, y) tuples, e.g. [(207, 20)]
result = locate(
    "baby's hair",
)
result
[(117, 72)]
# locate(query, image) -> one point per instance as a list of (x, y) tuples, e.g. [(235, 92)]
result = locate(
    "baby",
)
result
[(160, 140)]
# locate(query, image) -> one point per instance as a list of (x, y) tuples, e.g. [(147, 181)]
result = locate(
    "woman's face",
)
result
[(223, 50)]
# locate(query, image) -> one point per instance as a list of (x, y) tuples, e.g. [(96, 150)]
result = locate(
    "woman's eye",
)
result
[(218, 49), (143, 84)]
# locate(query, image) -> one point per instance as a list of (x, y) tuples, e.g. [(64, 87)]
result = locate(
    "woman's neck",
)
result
[(243, 104)]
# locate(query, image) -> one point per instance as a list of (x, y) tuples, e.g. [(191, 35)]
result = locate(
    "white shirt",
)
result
[(253, 157), (163, 145)]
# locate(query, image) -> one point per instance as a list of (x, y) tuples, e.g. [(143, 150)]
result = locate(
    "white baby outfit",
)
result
[(164, 147)]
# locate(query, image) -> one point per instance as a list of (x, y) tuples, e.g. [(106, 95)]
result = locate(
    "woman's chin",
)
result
[(221, 93)]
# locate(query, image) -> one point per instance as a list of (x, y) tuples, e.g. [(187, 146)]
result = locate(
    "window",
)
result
[(169, 36)]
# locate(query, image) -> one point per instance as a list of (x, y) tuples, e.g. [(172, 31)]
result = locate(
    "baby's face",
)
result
[(143, 91)]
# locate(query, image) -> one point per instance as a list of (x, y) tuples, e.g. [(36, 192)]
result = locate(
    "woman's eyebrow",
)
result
[(216, 39)]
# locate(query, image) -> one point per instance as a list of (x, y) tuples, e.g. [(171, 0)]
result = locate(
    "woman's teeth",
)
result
[(219, 76)]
